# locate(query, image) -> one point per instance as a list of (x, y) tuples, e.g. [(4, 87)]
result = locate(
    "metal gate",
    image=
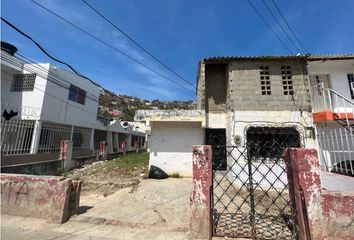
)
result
[(250, 189)]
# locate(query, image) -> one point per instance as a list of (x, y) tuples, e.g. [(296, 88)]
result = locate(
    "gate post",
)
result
[(303, 172), (201, 192), (103, 150), (66, 148)]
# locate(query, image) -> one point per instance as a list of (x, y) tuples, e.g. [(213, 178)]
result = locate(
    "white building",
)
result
[(52, 104), (172, 136), (332, 95)]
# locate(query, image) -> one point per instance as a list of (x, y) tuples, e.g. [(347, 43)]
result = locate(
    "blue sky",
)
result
[(178, 32)]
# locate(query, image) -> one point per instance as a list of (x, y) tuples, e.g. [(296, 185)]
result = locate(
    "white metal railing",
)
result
[(336, 142), (336, 148), (51, 135), (16, 136), (325, 99)]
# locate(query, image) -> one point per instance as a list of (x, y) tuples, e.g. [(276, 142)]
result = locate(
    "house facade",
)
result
[(332, 93), (42, 104), (255, 101), (265, 102)]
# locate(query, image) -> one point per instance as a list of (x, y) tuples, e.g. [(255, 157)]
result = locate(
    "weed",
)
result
[(175, 175)]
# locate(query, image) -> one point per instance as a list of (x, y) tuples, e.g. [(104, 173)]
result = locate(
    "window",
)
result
[(23, 82), (265, 81), (286, 72), (351, 84), (76, 94), (270, 142), (288, 88)]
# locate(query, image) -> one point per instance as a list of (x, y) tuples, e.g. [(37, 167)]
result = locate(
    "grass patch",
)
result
[(175, 175), (127, 162)]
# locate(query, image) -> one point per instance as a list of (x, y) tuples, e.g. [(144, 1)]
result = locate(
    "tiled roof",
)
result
[(304, 57)]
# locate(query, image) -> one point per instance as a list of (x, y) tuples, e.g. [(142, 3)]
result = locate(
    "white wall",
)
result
[(337, 70), (171, 145), (49, 101), (58, 108), (28, 104)]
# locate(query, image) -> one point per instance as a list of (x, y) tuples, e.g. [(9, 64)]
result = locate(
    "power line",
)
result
[(57, 60), (33, 70), (269, 26), (281, 27), (40, 47), (122, 100), (111, 46), (287, 24), (138, 45)]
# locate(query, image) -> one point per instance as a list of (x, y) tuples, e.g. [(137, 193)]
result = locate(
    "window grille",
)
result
[(265, 80), (23, 82)]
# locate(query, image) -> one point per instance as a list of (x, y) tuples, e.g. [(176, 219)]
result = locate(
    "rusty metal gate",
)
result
[(250, 189)]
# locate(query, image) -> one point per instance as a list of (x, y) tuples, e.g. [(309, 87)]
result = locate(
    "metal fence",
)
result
[(81, 138), (16, 136), (51, 135), (336, 148)]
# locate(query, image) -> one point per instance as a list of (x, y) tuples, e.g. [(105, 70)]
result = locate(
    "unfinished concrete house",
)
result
[(259, 100)]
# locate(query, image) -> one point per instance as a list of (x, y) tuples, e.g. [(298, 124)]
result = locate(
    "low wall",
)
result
[(39, 196), (324, 210), (54, 167)]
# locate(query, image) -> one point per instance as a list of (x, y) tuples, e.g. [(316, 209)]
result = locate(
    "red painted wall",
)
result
[(321, 214), (36, 196)]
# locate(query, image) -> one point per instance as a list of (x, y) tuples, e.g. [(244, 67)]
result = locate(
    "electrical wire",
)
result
[(287, 24), (112, 47), (138, 45), (40, 47), (281, 27), (269, 26), (57, 60)]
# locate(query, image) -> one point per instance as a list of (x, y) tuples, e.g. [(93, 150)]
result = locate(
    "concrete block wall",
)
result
[(245, 86)]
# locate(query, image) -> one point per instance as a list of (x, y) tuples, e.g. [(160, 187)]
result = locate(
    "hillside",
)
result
[(123, 107)]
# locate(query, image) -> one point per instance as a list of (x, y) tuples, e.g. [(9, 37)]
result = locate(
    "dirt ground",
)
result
[(106, 177)]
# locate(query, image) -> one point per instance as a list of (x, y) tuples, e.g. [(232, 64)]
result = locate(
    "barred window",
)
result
[(23, 82), (265, 81), (76, 94)]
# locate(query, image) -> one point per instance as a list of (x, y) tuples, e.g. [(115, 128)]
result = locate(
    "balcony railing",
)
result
[(334, 118)]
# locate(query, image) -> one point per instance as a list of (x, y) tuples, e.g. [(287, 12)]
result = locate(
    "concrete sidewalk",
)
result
[(156, 209), (154, 203)]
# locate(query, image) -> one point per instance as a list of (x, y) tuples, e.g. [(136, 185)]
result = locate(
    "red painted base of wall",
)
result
[(321, 214), (38, 196)]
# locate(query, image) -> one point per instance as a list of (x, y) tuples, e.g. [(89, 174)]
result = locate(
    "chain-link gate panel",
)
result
[(250, 195)]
